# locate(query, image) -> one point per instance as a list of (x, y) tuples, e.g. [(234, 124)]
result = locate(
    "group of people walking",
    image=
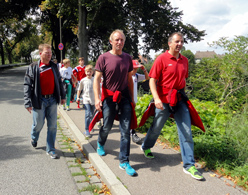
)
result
[(113, 93)]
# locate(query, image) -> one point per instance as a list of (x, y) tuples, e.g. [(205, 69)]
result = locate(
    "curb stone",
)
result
[(76, 161), (107, 176)]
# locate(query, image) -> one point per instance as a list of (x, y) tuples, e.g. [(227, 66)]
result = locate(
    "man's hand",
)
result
[(158, 103), (62, 101), (29, 109), (98, 105)]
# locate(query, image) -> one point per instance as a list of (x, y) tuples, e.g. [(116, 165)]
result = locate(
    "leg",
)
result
[(68, 93), (38, 122), (109, 113), (125, 121), (158, 123), (87, 116), (183, 122), (51, 116)]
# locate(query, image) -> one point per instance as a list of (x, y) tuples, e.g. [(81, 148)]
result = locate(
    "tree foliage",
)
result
[(15, 24), (13, 31), (151, 21), (223, 79)]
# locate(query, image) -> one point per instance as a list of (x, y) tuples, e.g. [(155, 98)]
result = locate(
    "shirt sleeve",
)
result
[(156, 69), (81, 85), (99, 64)]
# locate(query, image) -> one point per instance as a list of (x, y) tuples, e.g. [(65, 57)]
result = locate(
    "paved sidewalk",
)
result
[(161, 175)]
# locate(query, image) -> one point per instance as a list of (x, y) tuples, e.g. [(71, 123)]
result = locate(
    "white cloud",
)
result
[(222, 18)]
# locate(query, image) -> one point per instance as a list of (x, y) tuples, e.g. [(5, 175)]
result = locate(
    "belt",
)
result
[(47, 96)]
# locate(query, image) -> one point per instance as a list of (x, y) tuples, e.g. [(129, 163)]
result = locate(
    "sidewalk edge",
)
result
[(108, 177)]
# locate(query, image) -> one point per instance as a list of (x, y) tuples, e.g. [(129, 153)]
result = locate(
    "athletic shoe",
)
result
[(194, 173), (53, 155), (147, 153), (100, 150), (87, 133), (34, 144), (129, 170), (64, 107), (135, 138), (67, 108)]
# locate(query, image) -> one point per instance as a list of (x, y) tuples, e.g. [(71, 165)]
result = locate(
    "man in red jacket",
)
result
[(168, 75)]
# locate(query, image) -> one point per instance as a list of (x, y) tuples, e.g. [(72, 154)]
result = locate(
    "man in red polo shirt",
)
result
[(168, 74)]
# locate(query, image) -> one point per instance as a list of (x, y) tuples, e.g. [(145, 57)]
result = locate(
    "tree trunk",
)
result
[(9, 56), (82, 32), (2, 52)]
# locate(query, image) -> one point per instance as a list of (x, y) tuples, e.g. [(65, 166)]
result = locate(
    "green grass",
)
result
[(92, 188)]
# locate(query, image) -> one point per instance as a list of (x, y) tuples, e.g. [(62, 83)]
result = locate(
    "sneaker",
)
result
[(53, 155), (147, 153), (129, 170), (87, 133), (64, 107), (67, 108), (194, 173), (34, 144), (100, 150), (135, 138)]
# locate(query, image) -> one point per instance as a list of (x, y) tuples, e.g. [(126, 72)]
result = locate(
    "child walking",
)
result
[(66, 74), (86, 84)]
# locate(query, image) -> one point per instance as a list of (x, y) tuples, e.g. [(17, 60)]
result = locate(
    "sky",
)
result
[(219, 18)]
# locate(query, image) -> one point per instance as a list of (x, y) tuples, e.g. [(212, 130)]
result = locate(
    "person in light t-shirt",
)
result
[(86, 84), (137, 78)]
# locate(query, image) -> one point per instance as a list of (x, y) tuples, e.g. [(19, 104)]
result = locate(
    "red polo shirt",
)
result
[(170, 73), (46, 79)]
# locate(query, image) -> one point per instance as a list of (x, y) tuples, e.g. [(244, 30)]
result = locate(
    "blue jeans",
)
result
[(183, 121), (109, 113), (49, 111), (89, 111)]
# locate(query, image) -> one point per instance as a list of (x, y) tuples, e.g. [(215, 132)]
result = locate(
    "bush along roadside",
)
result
[(222, 148)]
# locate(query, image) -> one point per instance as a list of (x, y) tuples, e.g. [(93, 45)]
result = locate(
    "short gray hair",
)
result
[(175, 33), (115, 31)]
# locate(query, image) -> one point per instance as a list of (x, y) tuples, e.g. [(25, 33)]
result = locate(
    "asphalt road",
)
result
[(23, 169)]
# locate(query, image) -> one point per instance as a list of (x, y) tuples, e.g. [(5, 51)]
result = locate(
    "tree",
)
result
[(52, 12), (223, 79), (14, 31), (189, 54), (13, 11), (152, 21), (24, 48), (17, 9)]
